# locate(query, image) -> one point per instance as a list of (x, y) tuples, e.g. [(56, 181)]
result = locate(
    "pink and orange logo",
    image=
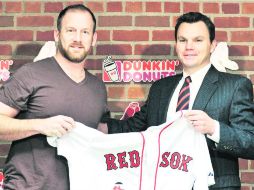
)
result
[(137, 71)]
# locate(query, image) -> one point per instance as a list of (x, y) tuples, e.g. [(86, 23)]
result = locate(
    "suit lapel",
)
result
[(207, 89), (165, 96)]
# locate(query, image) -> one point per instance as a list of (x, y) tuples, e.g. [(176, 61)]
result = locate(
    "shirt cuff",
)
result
[(216, 135)]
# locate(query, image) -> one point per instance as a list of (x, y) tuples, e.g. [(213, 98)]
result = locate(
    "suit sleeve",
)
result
[(237, 137), (147, 116)]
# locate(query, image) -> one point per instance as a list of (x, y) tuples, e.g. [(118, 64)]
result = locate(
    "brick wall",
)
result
[(132, 30)]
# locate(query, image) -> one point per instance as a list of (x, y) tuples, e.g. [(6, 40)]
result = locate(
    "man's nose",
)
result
[(77, 37), (189, 45)]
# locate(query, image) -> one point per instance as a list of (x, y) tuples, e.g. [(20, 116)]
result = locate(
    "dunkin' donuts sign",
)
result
[(137, 71), (4, 69)]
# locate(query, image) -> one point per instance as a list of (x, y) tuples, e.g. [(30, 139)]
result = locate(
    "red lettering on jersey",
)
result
[(175, 160), (184, 163), (110, 161), (121, 159), (134, 159), (165, 161)]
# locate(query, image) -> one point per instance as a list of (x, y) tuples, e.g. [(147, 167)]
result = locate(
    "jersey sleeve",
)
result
[(204, 174)]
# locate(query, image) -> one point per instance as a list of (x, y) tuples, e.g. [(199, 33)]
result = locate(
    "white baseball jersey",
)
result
[(170, 156)]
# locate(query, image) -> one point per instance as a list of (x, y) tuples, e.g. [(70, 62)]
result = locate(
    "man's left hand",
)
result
[(201, 121)]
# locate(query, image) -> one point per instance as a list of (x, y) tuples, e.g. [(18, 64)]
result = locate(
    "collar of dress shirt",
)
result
[(199, 75)]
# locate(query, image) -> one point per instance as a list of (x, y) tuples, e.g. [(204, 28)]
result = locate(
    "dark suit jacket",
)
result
[(226, 98)]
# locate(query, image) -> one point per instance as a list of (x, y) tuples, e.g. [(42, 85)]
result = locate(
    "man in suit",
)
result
[(220, 105)]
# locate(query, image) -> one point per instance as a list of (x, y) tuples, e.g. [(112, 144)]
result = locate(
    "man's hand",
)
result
[(201, 121), (56, 126), (103, 127)]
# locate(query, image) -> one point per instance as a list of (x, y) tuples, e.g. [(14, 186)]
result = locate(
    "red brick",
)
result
[(13, 7), (6, 21), (136, 92), (172, 7), (120, 49), (32, 7), (35, 21), (252, 52), (187, 7), (247, 8), (16, 35), (211, 7), (73, 3), (114, 7), (242, 36), (245, 188), (245, 65), (252, 161), (230, 8), (5, 49), (232, 22), (174, 20), (163, 35), (94, 64), (133, 7), (243, 164), (95, 6), (53, 7), (158, 21), (27, 49), (117, 106), (221, 36), (160, 49), (131, 35), (115, 21), (116, 92), (153, 6), (247, 177), (238, 50), (1, 7), (103, 35), (4, 149), (45, 35)]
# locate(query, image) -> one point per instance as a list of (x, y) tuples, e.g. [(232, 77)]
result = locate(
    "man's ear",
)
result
[(56, 35), (213, 46), (94, 39)]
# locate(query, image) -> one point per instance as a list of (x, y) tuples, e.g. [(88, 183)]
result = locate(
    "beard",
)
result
[(71, 57)]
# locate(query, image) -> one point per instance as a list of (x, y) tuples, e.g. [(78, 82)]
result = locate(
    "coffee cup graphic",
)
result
[(111, 68)]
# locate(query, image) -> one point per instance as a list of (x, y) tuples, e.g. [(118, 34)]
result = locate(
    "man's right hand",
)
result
[(103, 127), (56, 126)]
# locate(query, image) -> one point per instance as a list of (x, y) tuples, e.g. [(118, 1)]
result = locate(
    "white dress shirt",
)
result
[(196, 81)]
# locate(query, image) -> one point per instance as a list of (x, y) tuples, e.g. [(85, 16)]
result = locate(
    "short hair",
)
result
[(74, 7), (193, 17)]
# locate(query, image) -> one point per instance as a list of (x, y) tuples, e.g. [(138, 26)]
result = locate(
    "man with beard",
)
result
[(45, 98)]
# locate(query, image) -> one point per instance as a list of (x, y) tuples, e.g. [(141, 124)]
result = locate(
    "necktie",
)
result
[(184, 95)]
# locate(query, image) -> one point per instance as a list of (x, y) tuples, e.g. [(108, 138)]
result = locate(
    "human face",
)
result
[(76, 36), (193, 46)]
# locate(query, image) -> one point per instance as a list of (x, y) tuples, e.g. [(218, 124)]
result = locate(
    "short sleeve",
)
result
[(204, 173), (16, 90)]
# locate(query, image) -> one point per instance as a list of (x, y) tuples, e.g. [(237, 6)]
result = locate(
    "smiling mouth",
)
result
[(77, 47), (189, 55)]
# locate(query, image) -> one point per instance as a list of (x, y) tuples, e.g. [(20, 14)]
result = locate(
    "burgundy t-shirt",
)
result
[(41, 90)]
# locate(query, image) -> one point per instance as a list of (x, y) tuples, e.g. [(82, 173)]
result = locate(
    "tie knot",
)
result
[(188, 79)]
